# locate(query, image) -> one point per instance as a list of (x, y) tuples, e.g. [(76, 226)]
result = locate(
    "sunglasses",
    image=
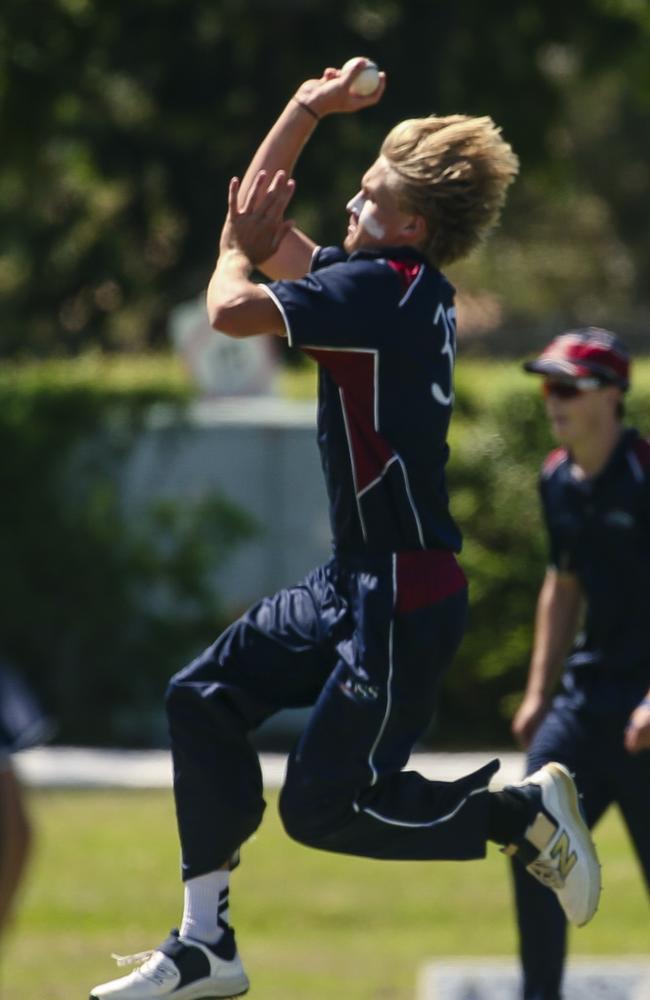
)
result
[(570, 390)]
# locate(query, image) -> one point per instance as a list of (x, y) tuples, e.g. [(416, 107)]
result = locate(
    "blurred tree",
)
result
[(121, 124)]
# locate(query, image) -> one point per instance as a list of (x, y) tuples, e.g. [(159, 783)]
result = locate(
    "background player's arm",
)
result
[(16, 838), (637, 734), (559, 608), (282, 146)]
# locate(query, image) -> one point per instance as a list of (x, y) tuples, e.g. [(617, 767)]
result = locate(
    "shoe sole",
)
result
[(566, 794), (241, 989)]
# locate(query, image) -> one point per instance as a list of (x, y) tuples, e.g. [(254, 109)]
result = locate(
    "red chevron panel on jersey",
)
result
[(424, 578), (641, 448), (407, 271), (354, 371)]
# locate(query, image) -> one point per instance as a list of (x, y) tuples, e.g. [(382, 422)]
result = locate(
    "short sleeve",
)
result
[(644, 512), (560, 556), (325, 256), (341, 303)]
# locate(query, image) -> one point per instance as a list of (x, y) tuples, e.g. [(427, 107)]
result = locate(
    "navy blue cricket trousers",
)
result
[(583, 730), (365, 641)]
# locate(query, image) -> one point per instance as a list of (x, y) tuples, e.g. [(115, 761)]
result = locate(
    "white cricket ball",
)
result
[(367, 81)]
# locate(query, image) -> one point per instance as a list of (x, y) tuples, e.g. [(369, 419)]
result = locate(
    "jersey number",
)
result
[(446, 318)]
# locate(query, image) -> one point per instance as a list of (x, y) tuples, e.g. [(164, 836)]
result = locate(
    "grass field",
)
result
[(311, 926)]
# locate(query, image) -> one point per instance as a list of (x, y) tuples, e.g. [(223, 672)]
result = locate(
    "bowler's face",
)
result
[(375, 217)]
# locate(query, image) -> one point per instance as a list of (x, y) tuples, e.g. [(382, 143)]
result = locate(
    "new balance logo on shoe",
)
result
[(563, 856), (557, 848)]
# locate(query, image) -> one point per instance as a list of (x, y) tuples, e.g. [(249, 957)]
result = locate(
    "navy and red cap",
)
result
[(586, 353)]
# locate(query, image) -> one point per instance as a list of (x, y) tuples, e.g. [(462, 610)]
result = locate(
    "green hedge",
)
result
[(99, 610)]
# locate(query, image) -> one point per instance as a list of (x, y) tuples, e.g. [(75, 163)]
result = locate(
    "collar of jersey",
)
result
[(628, 436), (393, 253)]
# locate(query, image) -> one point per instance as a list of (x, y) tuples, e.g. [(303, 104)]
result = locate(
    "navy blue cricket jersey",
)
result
[(599, 530), (381, 324)]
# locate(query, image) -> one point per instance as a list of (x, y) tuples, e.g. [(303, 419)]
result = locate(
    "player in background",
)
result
[(366, 638), (21, 726), (594, 605)]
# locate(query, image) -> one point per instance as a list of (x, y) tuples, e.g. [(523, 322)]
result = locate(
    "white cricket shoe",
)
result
[(557, 848), (180, 969)]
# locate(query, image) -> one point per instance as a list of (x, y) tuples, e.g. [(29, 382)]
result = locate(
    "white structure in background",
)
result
[(75, 767), (261, 455), (222, 366), (245, 444), (622, 978)]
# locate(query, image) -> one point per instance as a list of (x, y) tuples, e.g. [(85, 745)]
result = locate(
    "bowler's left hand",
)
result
[(258, 227), (637, 733)]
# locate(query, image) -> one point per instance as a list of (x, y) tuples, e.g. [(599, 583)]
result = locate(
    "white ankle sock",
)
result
[(205, 914)]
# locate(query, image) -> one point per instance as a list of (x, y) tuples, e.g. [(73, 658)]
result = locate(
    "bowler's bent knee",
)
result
[(315, 816)]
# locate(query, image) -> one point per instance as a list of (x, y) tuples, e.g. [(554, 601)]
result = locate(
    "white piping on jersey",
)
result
[(359, 350), (415, 826), (314, 255), (411, 288), (359, 493), (285, 318), (389, 705), (376, 390), (371, 757), (378, 478), (352, 465), (389, 683), (375, 353), (636, 467), (411, 501)]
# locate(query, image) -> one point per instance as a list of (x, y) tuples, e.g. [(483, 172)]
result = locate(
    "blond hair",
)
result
[(455, 172)]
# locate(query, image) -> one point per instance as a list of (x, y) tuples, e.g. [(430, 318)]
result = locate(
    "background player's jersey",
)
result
[(600, 530), (381, 325)]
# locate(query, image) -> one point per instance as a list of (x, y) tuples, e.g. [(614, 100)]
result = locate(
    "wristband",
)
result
[(305, 107)]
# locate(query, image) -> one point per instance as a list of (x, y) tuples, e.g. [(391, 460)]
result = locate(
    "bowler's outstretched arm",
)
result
[(280, 150)]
